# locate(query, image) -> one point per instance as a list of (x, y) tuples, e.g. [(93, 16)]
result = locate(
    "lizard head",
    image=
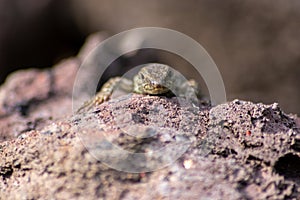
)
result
[(153, 79)]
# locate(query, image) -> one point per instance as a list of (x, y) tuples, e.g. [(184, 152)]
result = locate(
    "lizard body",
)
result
[(153, 79)]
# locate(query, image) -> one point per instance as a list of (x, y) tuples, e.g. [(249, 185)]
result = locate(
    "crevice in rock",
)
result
[(288, 166), (6, 172)]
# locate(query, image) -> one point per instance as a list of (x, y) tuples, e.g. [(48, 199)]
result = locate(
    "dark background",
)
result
[(255, 44)]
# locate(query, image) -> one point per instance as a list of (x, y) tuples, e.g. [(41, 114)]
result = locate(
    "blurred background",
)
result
[(255, 43)]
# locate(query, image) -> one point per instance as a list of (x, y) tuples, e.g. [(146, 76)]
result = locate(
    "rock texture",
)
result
[(30, 98), (238, 150)]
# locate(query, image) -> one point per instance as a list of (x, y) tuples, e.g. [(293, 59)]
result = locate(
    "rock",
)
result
[(29, 99), (237, 150), (138, 146), (24, 87)]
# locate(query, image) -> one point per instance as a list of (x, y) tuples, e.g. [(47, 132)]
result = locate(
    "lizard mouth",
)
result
[(155, 89)]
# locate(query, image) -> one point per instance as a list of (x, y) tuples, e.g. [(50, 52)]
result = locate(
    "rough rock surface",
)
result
[(30, 98), (237, 150)]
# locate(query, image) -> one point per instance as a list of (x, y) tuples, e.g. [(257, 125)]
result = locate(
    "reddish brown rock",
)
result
[(237, 150), (24, 87), (29, 99), (222, 161)]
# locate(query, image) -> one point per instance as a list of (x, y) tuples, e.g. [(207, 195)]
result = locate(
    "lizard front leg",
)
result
[(105, 93), (189, 90)]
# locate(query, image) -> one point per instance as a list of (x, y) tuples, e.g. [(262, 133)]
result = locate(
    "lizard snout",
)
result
[(155, 89)]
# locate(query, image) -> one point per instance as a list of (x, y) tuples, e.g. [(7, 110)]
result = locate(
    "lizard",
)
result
[(152, 79)]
